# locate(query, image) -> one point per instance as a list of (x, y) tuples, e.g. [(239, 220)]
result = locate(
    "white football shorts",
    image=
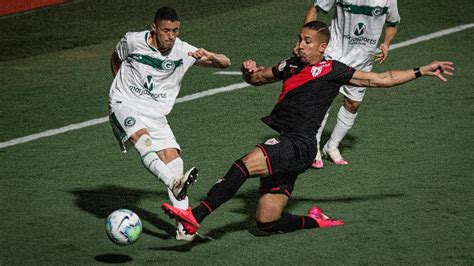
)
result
[(125, 122), (352, 92), (355, 93)]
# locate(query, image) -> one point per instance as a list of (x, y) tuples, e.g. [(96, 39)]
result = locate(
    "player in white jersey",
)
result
[(355, 30), (148, 67)]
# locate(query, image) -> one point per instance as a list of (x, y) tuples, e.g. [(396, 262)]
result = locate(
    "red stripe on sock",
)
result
[(203, 203), (269, 166), (303, 222), (242, 170)]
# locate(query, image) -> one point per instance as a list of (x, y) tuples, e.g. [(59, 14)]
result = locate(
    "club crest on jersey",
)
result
[(377, 11), (129, 121), (168, 65), (316, 70)]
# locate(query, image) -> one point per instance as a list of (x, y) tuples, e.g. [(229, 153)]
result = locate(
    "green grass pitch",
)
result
[(406, 196)]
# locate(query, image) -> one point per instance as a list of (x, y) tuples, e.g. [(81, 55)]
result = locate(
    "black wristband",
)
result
[(417, 72)]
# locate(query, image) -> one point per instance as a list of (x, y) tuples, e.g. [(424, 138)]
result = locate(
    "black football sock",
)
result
[(287, 223), (223, 190)]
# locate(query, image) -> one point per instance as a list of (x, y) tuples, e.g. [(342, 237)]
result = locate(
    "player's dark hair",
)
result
[(166, 13), (321, 28)]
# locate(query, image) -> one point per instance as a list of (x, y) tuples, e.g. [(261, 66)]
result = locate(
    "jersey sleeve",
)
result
[(393, 18), (281, 71), (324, 5), (186, 49), (342, 72), (122, 48)]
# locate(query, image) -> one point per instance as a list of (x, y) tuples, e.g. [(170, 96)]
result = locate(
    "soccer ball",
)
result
[(123, 227)]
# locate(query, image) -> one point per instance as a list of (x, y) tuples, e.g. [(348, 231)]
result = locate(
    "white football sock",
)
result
[(176, 167), (151, 160), (345, 120), (321, 128)]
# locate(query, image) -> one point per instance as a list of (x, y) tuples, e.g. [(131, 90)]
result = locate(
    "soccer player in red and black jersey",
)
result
[(310, 84)]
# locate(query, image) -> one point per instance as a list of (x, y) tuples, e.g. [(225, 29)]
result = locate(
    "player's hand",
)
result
[(437, 69), (250, 66), (202, 55), (383, 54)]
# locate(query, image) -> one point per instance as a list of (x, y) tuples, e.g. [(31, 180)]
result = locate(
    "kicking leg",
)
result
[(149, 155), (253, 164)]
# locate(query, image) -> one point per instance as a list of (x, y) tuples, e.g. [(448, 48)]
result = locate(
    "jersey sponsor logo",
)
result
[(148, 83), (145, 92), (129, 121), (359, 30)]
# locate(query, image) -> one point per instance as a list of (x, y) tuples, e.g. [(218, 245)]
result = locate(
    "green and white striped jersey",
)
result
[(356, 28), (147, 80)]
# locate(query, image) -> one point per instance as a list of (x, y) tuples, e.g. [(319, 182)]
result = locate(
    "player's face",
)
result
[(310, 48), (166, 32)]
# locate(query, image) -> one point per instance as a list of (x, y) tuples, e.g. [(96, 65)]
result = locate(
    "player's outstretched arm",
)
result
[(396, 77), (256, 75), (209, 59)]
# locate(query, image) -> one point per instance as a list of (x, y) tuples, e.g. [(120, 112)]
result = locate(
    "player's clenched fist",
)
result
[(250, 66)]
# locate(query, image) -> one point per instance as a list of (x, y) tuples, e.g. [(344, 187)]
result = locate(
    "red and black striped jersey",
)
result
[(307, 94)]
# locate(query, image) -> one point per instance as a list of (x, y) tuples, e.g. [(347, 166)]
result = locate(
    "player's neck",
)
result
[(316, 60), (153, 43)]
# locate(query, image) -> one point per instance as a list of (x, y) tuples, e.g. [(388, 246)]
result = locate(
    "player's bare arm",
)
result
[(311, 14), (210, 59), (115, 63), (396, 77), (256, 75), (390, 33)]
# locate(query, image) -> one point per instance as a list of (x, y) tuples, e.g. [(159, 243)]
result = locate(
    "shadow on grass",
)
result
[(104, 200), (113, 258), (250, 203)]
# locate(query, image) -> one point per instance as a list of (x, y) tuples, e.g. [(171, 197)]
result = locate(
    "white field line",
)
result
[(198, 95), (228, 73), (96, 121), (432, 36)]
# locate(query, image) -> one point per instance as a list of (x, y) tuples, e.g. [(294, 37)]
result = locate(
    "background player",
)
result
[(148, 67), (355, 30), (310, 84)]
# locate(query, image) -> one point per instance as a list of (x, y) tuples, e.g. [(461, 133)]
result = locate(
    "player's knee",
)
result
[(351, 105), (168, 155), (138, 134), (256, 163)]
